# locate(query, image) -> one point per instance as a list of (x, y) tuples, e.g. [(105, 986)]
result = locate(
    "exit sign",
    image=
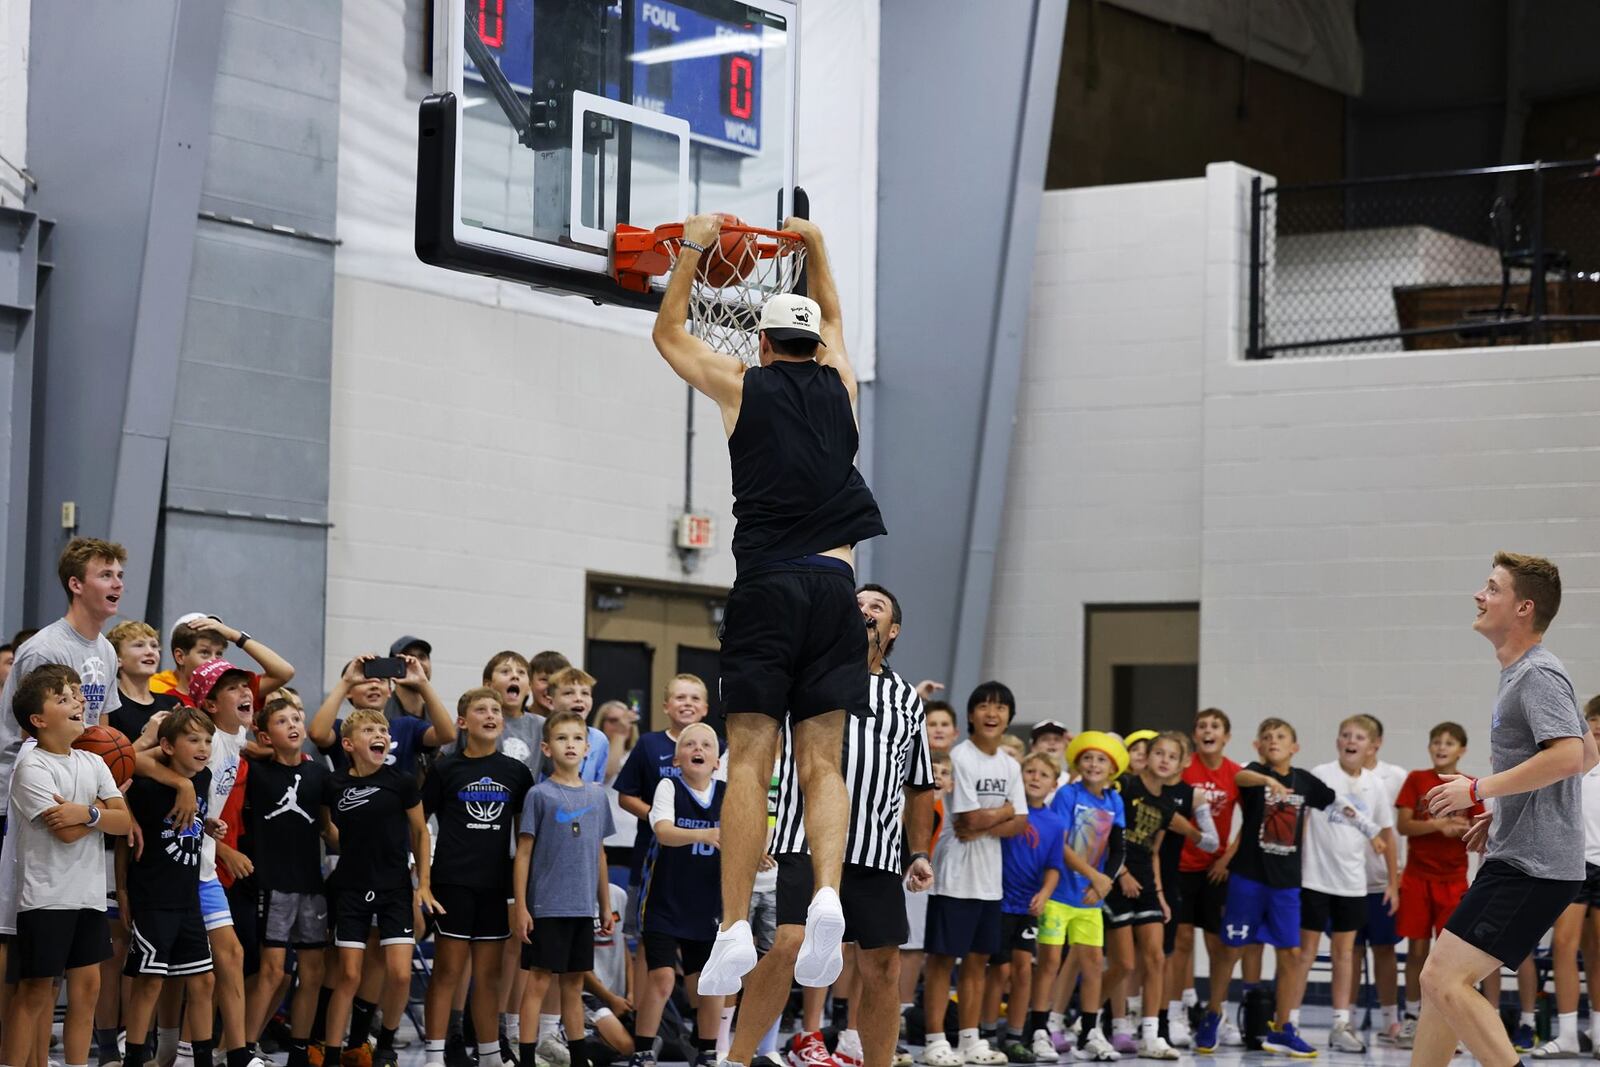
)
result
[(696, 531)]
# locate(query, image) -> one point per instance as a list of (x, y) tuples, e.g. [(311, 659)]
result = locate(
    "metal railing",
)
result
[(1453, 259)]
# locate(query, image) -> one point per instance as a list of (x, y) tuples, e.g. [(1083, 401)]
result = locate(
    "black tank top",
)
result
[(796, 490)]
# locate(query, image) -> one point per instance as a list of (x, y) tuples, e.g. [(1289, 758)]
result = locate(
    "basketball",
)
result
[(731, 258), (110, 745)]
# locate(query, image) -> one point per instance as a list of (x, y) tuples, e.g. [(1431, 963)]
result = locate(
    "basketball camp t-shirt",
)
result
[(476, 800), (972, 870), (166, 873), (1269, 839)]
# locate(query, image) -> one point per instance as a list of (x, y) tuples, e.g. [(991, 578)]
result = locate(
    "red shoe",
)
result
[(361, 1056), (809, 1050)]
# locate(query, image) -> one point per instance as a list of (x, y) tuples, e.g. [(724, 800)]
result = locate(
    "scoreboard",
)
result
[(687, 63)]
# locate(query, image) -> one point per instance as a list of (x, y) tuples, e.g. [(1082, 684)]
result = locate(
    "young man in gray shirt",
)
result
[(1540, 746)]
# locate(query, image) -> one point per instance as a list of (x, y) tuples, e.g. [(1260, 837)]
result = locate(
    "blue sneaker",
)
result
[(1205, 1038), (1522, 1038), (1287, 1042)]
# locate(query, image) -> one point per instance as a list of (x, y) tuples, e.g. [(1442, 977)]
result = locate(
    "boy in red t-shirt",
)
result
[(1436, 859), (1203, 876)]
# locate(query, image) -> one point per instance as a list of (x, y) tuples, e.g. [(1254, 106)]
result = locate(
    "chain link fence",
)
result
[(1498, 256)]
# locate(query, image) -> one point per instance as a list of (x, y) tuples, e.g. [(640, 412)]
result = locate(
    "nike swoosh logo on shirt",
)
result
[(565, 816)]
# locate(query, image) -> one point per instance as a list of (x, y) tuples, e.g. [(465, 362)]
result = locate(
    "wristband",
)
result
[(695, 245), (915, 856), (243, 637), (1473, 794), (94, 816)]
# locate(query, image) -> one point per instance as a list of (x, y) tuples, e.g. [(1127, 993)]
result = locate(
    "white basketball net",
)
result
[(725, 318)]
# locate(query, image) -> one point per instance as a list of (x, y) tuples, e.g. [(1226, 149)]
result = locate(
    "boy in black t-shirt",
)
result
[(285, 821), (1264, 879), (377, 811), (476, 794), (158, 891)]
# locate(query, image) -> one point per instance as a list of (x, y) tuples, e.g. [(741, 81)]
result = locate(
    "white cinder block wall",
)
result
[(1332, 515)]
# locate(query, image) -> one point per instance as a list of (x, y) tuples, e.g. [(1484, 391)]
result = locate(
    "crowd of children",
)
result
[(238, 886)]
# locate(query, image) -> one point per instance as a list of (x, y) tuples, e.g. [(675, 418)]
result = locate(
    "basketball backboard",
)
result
[(552, 121)]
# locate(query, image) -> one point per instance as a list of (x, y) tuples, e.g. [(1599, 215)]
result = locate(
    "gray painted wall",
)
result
[(214, 336), (961, 174)]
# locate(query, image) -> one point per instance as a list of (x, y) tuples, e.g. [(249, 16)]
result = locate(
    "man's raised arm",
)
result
[(821, 287), (717, 376)]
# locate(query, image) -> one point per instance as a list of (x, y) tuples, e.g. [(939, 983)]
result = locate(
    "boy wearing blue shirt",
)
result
[(1094, 817), (1031, 868)]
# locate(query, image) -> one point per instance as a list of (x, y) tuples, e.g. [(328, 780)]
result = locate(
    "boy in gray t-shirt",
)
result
[(561, 881)]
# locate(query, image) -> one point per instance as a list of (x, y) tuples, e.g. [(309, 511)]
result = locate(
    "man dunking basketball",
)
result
[(792, 639), (1539, 746)]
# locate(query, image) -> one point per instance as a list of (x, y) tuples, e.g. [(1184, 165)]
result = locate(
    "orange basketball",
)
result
[(731, 259), (110, 745)]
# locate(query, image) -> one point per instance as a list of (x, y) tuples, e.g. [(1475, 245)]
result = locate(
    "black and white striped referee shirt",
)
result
[(883, 754)]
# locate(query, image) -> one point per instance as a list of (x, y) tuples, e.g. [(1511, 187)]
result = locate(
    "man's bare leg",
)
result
[(817, 756), (1452, 1008), (752, 746), (765, 994)]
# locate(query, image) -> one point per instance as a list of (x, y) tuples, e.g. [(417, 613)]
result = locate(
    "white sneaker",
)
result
[(1343, 1039), (733, 955), (1095, 1047), (938, 1053), (821, 955), (1408, 1033), (1228, 1035), (185, 1056), (980, 1051), (1044, 1050), (1156, 1049), (552, 1050), (1178, 1035)]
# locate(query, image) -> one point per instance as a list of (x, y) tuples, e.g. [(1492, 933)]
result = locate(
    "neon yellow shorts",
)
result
[(1063, 924)]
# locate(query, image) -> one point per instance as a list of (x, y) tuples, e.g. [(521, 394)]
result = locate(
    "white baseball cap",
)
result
[(791, 317)]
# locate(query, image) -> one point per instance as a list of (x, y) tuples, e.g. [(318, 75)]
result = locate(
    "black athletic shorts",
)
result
[(1018, 933), (472, 913), (1505, 912), (51, 942), (874, 901), (1200, 901), (355, 909), (1123, 910), (793, 641), (668, 950), (1326, 913), (1590, 893), (562, 944), (167, 942)]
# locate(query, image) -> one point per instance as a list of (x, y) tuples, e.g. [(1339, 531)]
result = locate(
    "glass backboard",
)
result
[(553, 121)]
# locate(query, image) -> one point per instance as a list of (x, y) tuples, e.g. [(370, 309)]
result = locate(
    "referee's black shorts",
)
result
[(1505, 912), (874, 901), (794, 642)]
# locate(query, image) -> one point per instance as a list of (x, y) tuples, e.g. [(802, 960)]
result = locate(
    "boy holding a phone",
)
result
[(366, 683)]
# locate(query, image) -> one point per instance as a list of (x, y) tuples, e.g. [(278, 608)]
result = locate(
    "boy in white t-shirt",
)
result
[(61, 797), (986, 804), (1380, 932), (1333, 876)]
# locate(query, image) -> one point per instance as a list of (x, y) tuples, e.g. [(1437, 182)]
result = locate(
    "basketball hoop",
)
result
[(735, 278)]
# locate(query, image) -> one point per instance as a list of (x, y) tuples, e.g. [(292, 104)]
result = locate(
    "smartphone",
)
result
[(384, 667)]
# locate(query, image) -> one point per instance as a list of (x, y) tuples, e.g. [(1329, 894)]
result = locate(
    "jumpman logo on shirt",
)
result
[(290, 801)]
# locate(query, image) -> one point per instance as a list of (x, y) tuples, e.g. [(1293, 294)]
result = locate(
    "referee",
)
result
[(885, 758)]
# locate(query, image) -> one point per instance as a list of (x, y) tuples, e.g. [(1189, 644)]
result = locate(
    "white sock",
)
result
[(166, 1042), (969, 1038), (1528, 1018), (725, 1033), (1121, 1025), (936, 1039), (513, 1026), (435, 1050), (769, 1040), (1387, 1014), (1058, 1022), (1294, 1018), (489, 1054), (850, 1041), (1341, 1016), (1190, 998), (1136, 1007), (549, 1026), (1567, 1029), (1230, 1012), (1174, 1010), (1147, 1029)]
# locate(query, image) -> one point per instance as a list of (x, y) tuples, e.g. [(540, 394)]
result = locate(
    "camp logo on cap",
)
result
[(791, 317)]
